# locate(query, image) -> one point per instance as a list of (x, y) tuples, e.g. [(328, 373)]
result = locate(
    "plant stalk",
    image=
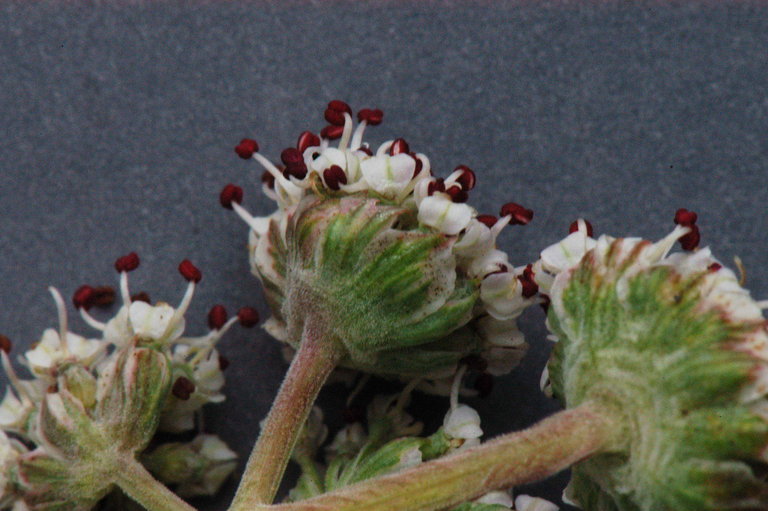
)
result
[(512, 459), (141, 486), (314, 361)]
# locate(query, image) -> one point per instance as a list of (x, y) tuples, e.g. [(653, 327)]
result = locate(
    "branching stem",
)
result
[(138, 483)]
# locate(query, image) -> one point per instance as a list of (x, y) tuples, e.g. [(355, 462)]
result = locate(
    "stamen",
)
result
[(399, 146), (272, 169), (125, 295), (714, 267), (92, 322), (488, 220), (332, 132), (691, 240), (127, 263), (248, 317), (83, 297), (581, 225), (371, 116), (103, 296), (13, 377), (436, 186), (229, 194), (217, 317), (685, 217), (334, 177), (246, 148), (306, 140), (183, 388), (530, 288), (189, 271), (499, 225), (467, 178), (742, 270), (419, 165), (517, 213), (347, 133), (334, 114), (457, 194), (5, 344), (61, 310), (245, 216), (456, 386)]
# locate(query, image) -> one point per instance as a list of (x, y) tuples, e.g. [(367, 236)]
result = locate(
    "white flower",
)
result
[(528, 503), (440, 212), (220, 461), (502, 295), (388, 175), (347, 442), (14, 411), (50, 352), (155, 322), (462, 422)]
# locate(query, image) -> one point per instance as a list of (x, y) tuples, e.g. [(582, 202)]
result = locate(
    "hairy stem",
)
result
[(138, 483), (314, 361), (515, 458)]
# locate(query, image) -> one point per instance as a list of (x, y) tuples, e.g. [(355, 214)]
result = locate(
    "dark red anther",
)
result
[(519, 214), (502, 268), (229, 194), (530, 287), (475, 363), (142, 296), (297, 170), (467, 177), (306, 140), (103, 296), (291, 156), (714, 267), (182, 388), (339, 106), (691, 240), (248, 317), (217, 317), (223, 363), (488, 220), (332, 132), (189, 271), (246, 148), (334, 177), (685, 217), (575, 227), (484, 384), (82, 298), (53, 388), (127, 263), (457, 194), (372, 117), (419, 165), (366, 150), (268, 179), (399, 146), (5, 344), (436, 186)]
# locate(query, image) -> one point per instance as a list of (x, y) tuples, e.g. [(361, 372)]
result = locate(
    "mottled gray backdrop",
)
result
[(119, 119)]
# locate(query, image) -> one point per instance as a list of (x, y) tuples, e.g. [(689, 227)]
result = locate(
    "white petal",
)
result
[(150, 321), (388, 175), (566, 253), (445, 215), (500, 498)]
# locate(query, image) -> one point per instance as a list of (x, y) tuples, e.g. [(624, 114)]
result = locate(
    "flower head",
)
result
[(396, 262), (679, 351)]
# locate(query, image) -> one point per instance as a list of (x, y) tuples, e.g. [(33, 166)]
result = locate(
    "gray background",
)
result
[(118, 122)]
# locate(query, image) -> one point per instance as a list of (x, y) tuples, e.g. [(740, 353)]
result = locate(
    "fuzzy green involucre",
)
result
[(676, 349)]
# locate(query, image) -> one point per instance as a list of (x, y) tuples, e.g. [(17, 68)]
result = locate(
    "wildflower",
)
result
[(395, 258), (677, 349)]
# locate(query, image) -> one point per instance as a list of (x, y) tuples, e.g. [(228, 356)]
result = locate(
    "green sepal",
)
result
[(376, 287), (134, 393)]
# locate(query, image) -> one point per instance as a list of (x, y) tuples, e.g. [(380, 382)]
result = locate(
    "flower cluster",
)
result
[(343, 207), (139, 374), (676, 347)]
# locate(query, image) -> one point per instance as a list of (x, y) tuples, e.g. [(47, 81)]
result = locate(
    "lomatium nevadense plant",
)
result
[(78, 428), (372, 264)]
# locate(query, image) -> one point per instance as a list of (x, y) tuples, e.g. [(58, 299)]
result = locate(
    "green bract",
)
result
[(676, 349)]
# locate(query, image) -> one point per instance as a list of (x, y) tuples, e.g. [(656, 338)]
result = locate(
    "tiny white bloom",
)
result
[(462, 422), (388, 175), (49, 352), (155, 322), (528, 503), (502, 295), (440, 212)]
